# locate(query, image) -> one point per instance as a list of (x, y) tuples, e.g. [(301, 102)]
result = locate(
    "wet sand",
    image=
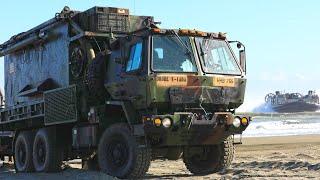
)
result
[(291, 157)]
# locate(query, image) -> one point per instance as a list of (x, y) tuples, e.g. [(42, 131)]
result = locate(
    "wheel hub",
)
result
[(118, 153), (41, 152), (21, 154)]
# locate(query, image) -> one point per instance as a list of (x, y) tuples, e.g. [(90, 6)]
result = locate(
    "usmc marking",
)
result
[(224, 82), (166, 81)]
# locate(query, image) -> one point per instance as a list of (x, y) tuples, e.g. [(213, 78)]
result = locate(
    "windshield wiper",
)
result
[(202, 53), (181, 42), (206, 46)]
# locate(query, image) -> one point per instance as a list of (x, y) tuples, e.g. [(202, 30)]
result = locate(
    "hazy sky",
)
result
[(281, 37)]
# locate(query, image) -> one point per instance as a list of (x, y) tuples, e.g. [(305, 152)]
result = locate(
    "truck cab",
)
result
[(179, 73)]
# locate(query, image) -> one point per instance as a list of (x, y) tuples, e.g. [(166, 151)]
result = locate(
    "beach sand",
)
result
[(290, 157)]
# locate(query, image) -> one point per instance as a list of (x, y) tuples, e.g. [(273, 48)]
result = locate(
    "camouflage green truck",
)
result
[(117, 91)]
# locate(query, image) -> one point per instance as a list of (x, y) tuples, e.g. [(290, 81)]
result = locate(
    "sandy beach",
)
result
[(291, 157)]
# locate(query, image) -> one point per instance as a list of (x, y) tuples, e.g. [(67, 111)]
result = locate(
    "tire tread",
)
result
[(28, 137), (226, 148), (142, 154)]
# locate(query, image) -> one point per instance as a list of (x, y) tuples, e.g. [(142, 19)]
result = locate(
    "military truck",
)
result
[(117, 91)]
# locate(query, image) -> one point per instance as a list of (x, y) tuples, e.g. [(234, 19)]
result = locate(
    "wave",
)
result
[(283, 127), (263, 108)]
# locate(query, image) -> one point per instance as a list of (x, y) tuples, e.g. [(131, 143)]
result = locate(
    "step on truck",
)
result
[(117, 91)]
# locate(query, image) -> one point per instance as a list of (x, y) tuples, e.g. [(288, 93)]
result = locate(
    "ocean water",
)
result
[(274, 124)]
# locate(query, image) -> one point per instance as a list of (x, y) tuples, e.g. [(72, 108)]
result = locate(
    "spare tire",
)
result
[(96, 76)]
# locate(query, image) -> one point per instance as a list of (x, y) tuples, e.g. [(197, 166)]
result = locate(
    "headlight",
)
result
[(166, 122), (157, 121), (244, 121), (236, 122)]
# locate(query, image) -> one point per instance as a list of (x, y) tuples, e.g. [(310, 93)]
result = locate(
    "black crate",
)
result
[(109, 23), (107, 10), (104, 19)]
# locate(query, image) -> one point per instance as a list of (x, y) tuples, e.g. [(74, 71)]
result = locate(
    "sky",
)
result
[(281, 37)]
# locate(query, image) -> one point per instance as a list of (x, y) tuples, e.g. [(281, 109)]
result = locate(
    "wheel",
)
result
[(47, 156), (119, 153), (90, 164), (23, 152), (209, 159)]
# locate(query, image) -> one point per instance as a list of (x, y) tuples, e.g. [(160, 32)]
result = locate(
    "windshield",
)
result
[(172, 53), (216, 57)]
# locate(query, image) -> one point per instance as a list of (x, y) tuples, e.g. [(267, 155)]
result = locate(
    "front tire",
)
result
[(23, 152), (119, 153), (209, 159), (47, 157)]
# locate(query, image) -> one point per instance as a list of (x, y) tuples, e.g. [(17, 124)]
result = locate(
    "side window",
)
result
[(135, 58)]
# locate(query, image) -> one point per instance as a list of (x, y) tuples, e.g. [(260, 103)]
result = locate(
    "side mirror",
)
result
[(242, 56), (239, 45), (1, 101)]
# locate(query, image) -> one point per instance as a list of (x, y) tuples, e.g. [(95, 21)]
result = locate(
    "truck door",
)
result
[(131, 81)]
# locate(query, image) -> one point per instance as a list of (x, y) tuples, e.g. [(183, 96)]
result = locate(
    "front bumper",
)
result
[(189, 129)]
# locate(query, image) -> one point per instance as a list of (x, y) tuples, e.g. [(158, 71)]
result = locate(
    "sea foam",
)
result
[(283, 125)]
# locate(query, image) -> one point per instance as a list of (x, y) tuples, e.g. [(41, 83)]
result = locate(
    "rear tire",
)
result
[(23, 152), (47, 156), (209, 159), (119, 153)]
